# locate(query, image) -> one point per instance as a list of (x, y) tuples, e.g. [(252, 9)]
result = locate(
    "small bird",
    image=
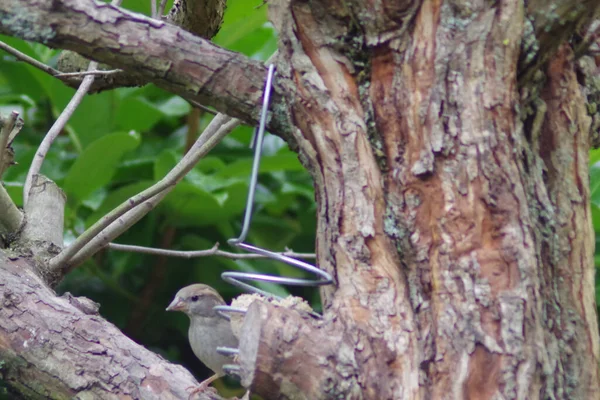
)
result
[(207, 330)]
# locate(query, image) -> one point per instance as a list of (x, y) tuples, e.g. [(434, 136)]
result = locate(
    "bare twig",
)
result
[(69, 78), (130, 211), (32, 61), (153, 12), (9, 124), (59, 124), (201, 107), (86, 73), (214, 251), (55, 130), (161, 9)]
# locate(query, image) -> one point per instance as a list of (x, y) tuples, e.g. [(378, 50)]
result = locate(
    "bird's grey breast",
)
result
[(205, 336)]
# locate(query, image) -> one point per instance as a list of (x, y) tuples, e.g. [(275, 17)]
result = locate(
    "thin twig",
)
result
[(153, 12), (132, 210), (97, 72), (96, 235), (201, 107), (32, 61), (9, 124), (59, 124), (161, 9), (56, 128), (214, 251)]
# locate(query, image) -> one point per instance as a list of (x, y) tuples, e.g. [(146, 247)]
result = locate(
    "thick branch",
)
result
[(280, 350), (58, 347), (43, 231), (200, 17), (166, 55)]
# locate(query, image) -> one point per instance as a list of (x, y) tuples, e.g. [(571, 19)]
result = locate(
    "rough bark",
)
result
[(450, 168), (60, 348), (200, 17), (164, 54), (453, 202)]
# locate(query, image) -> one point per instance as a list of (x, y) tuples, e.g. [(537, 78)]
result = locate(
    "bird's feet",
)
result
[(203, 387), (194, 390)]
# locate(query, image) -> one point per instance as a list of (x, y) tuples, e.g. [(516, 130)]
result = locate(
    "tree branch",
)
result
[(200, 17), (214, 251), (44, 224), (275, 340), (552, 22), (129, 212), (66, 350), (55, 130), (166, 55)]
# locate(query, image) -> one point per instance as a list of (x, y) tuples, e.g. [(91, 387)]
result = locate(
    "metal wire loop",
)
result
[(228, 351), (222, 310), (239, 278)]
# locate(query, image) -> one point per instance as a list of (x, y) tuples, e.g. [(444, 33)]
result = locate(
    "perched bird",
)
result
[(207, 330)]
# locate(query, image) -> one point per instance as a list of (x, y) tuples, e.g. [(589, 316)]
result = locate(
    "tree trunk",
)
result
[(453, 205)]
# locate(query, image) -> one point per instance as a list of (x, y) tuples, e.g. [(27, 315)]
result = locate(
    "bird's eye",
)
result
[(195, 298)]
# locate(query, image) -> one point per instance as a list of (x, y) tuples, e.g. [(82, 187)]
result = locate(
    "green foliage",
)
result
[(595, 206), (119, 143)]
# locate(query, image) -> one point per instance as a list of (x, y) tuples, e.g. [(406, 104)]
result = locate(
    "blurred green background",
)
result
[(120, 142)]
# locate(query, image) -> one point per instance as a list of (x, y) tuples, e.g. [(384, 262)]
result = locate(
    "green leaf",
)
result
[(97, 164), (596, 219), (594, 156), (189, 205), (175, 106), (116, 197), (94, 117), (595, 185), (241, 19), (280, 162), (164, 163), (137, 114), (15, 191)]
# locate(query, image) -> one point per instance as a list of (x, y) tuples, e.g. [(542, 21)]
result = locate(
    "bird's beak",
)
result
[(176, 305)]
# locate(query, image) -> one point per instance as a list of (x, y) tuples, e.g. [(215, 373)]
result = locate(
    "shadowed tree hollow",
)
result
[(448, 143)]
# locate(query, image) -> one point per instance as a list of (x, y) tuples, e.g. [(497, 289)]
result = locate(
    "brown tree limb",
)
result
[(166, 55), (280, 350), (59, 347), (549, 24), (200, 17), (213, 251)]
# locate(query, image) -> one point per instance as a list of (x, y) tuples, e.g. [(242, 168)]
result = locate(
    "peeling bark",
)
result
[(457, 226), (453, 209)]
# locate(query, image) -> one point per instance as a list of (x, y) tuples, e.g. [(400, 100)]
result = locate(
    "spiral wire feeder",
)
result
[(240, 279)]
